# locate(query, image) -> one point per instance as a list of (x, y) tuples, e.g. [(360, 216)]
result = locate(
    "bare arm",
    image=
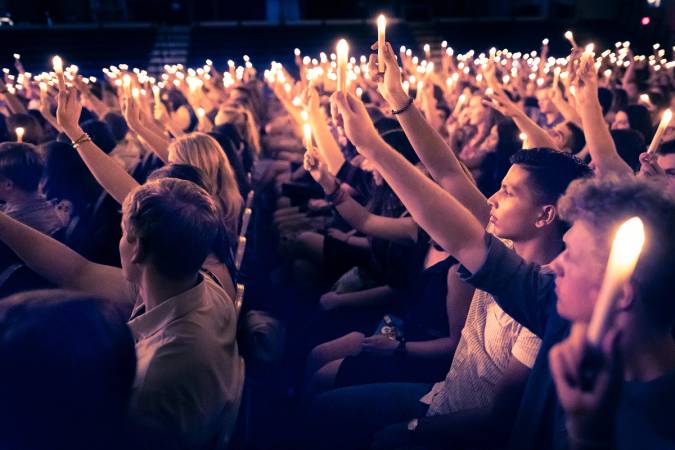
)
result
[(432, 149), (598, 137), (446, 220), (60, 265), (329, 149), (114, 179)]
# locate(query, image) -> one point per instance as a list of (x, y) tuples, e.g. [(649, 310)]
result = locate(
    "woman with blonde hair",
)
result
[(203, 151), (243, 119)]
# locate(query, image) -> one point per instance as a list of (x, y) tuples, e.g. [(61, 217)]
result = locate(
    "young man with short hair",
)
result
[(190, 375), (20, 173)]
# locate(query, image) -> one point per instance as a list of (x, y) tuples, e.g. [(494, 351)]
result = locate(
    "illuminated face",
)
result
[(545, 105), (620, 121), (514, 212), (579, 270), (667, 163)]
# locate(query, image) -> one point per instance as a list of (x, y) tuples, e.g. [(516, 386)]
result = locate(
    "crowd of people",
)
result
[(412, 248)]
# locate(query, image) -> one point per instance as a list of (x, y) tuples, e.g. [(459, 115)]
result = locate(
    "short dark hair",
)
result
[(578, 141), (117, 125), (667, 148), (22, 165), (606, 98), (605, 203), (629, 144), (550, 171), (176, 222), (100, 134), (68, 366)]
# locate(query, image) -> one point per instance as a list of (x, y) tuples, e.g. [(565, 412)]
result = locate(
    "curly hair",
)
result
[(604, 203)]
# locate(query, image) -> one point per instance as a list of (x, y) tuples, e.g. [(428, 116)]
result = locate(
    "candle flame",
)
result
[(57, 62)]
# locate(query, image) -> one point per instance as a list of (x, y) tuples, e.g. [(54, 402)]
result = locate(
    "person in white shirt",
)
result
[(190, 375)]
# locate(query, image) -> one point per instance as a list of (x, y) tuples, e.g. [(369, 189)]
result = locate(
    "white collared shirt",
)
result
[(189, 376)]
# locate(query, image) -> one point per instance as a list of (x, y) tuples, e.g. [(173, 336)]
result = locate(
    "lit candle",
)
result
[(644, 98), (570, 37), (17, 57), (19, 131), (427, 52), (245, 220), (665, 121), (155, 93), (134, 93), (342, 51), (201, 113), (544, 42), (623, 257), (239, 257), (556, 77), (381, 26), (57, 62), (460, 100), (307, 132)]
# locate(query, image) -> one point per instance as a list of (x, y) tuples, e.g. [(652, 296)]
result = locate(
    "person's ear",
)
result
[(547, 216), (138, 252), (626, 299)]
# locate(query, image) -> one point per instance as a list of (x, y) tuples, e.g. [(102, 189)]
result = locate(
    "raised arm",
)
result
[(599, 139), (446, 220), (137, 121), (61, 265), (329, 149), (391, 229), (114, 179), (429, 145)]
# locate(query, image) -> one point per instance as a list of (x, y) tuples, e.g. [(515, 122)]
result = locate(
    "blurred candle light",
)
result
[(623, 258), (570, 37), (342, 50), (19, 131), (665, 121), (381, 27)]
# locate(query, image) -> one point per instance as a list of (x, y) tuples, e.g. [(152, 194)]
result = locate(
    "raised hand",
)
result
[(589, 413), (68, 111), (586, 82), (389, 84), (649, 167), (317, 168), (356, 122)]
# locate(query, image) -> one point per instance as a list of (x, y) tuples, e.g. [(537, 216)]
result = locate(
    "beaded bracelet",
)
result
[(81, 140), (405, 107)]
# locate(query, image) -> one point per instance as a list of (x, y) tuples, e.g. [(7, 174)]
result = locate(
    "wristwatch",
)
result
[(412, 425)]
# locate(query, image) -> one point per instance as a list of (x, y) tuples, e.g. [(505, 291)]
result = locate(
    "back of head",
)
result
[(182, 172), (606, 99), (100, 134), (22, 165), (176, 223), (201, 150), (550, 172), (117, 125), (68, 365), (667, 148), (399, 142), (640, 120), (577, 140), (67, 176), (33, 132), (629, 144), (605, 203)]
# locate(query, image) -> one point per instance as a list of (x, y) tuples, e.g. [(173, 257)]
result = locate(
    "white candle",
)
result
[(381, 26), (623, 257), (155, 93), (427, 52), (245, 220), (134, 93), (342, 51), (57, 62), (19, 131), (307, 132), (201, 113), (239, 257), (665, 121), (570, 37), (17, 57)]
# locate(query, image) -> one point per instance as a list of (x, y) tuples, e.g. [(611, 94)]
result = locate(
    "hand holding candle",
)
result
[(570, 37), (381, 25), (342, 51)]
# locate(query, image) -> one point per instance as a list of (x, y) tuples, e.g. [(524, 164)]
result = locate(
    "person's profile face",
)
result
[(579, 270), (513, 210)]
